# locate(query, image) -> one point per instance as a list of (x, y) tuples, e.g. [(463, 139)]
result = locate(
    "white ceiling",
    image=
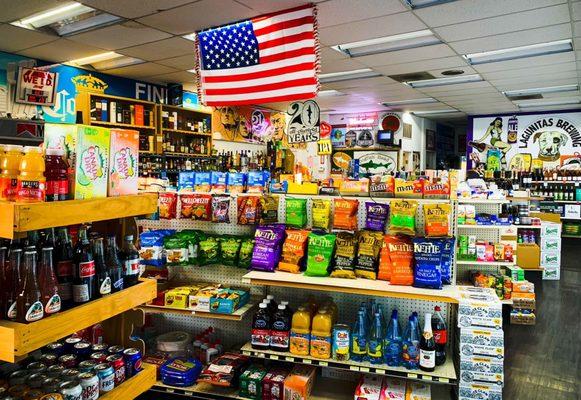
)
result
[(152, 29)]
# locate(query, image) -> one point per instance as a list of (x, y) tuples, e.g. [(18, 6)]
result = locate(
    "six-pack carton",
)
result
[(123, 161), (91, 166)]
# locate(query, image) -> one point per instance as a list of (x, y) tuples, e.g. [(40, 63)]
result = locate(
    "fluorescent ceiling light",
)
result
[(547, 103), (386, 44), (426, 100), (445, 81), (96, 21), (53, 15), (329, 93), (190, 36), (550, 89), (120, 62), (431, 112), (348, 75), (425, 3), (96, 58), (539, 49)]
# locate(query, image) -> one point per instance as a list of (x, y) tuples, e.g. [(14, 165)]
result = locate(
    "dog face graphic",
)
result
[(550, 143)]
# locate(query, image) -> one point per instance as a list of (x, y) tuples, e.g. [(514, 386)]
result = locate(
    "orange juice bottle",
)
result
[(9, 169), (330, 305), (300, 335), (31, 184), (321, 334)]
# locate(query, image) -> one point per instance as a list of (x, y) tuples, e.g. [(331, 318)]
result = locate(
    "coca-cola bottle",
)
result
[(114, 264), (13, 275), (101, 270), (51, 299), (440, 335), (64, 267), (130, 262), (84, 282), (28, 304)]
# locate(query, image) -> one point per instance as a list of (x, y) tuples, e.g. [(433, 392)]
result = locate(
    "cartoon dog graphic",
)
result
[(550, 143)]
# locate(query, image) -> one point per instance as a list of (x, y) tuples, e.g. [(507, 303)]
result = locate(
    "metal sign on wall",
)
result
[(303, 122), (35, 86)]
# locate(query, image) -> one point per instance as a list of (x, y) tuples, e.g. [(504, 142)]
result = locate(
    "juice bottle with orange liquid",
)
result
[(9, 170), (321, 334), (31, 185), (300, 335)]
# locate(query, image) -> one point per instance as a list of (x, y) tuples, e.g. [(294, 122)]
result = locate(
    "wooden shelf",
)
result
[(120, 125), (186, 132), (448, 294), (17, 339), (499, 263), (135, 385), (185, 109), (237, 315), (442, 374), (22, 217)]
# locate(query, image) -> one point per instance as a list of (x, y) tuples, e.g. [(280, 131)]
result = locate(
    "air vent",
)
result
[(526, 97), (415, 76)]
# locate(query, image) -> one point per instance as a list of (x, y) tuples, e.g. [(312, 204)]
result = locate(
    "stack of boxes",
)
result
[(481, 344), (551, 250), (523, 297)]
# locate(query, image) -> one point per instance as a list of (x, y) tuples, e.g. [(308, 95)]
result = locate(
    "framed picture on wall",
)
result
[(430, 140)]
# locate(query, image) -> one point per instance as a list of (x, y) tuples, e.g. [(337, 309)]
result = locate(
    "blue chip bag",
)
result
[(447, 249), (152, 251), (186, 181), (428, 260), (202, 182)]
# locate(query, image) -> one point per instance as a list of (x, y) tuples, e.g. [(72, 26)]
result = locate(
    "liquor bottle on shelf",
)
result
[(427, 346), (84, 282)]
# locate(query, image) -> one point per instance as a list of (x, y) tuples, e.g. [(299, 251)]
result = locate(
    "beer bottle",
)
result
[(101, 270), (64, 255), (130, 262), (84, 282), (28, 304), (48, 283), (114, 264), (427, 346)]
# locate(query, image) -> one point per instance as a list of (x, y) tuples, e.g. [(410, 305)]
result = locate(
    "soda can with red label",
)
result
[(118, 364)]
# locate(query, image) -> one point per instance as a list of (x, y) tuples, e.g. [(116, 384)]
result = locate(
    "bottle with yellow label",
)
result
[(9, 170), (31, 182), (300, 335), (321, 334)]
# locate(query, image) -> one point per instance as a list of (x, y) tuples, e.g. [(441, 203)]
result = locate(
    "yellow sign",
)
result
[(324, 147)]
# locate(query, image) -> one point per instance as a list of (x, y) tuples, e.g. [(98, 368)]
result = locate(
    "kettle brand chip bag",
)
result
[(229, 248), (428, 256), (447, 253), (396, 264), (267, 247), (403, 217), (437, 219), (345, 255), (376, 216), (345, 214), (296, 213), (321, 214), (269, 209), (209, 251), (319, 254), (369, 243), (293, 250)]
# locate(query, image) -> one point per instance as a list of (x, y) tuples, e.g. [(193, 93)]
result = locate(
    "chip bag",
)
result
[(267, 247), (186, 205), (176, 248), (428, 259), (319, 254), (369, 246), (248, 210), (269, 209), (191, 239), (345, 214), (229, 249), (221, 209), (151, 251), (396, 262), (437, 219), (376, 216), (201, 207), (209, 251), (245, 252), (293, 250), (321, 214), (296, 212), (345, 254), (167, 204), (447, 254), (403, 217)]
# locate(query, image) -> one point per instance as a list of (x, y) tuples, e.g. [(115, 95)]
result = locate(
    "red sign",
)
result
[(36, 86), (325, 130)]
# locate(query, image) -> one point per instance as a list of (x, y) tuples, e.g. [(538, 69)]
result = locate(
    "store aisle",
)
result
[(544, 362)]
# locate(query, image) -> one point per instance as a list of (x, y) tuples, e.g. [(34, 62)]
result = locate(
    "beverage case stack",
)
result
[(551, 250), (481, 344)]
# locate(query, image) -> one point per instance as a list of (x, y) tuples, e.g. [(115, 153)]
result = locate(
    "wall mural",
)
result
[(243, 124)]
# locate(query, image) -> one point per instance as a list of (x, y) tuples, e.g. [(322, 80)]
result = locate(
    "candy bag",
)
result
[(229, 248), (437, 219), (345, 214), (296, 212), (321, 214), (399, 251), (403, 217), (319, 254), (209, 251), (345, 254), (267, 247), (248, 210), (428, 259), (369, 246), (447, 253), (245, 252), (269, 209), (376, 216), (293, 250)]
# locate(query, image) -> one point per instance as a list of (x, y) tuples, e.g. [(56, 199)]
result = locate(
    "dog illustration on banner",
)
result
[(550, 143)]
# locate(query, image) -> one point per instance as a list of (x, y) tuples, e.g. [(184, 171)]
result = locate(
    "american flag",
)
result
[(265, 59)]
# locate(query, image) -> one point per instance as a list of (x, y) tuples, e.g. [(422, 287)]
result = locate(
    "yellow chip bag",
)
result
[(321, 214), (403, 217), (437, 219)]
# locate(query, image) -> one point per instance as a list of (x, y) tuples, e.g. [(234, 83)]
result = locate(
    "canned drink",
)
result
[(52, 396), (115, 349), (71, 390), (87, 365), (90, 385), (56, 348), (70, 343), (54, 371), (17, 391), (82, 349), (118, 364), (36, 367), (132, 358), (51, 385), (33, 394), (18, 377), (68, 360), (34, 381), (341, 342), (106, 376), (48, 359), (69, 373), (99, 356), (100, 347)]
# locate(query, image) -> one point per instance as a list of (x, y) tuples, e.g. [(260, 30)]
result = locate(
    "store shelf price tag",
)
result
[(412, 376), (353, 368), (364, 369), (246, 353), (380, 371), (291, 359), (307, 361), (274, 357), (324, 147), (323, 363)]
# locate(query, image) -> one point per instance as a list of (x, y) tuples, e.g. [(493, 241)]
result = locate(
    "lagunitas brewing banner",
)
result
[(526, 140)]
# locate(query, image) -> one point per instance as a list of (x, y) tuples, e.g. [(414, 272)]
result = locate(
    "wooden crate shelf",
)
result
[(237, 315), (135, 385)]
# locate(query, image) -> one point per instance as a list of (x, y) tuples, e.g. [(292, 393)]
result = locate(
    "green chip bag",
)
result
[(176, 248), (191, 239), (245, 254), (209, 251), (403, 217), (296, 213), (229, 249), (321, 213), (319, 254)]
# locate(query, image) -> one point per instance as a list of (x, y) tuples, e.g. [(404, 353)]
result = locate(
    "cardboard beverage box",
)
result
[(369, 388), (273, 384), (91, 165), (251, 382), (480, 391), (123, 162), (528, 255), (481, 342), (63, 137), (299, 384)]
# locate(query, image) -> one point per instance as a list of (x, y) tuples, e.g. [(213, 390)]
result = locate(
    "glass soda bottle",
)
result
[(56, 173), (15, 276), (48, 283), (28, 304), (410, 345), (440, 335), (375, 342), (359, 337), (260, 339), (130, 262), (64, 255), (84, 281), (427, 346), (101, 270), (393, 341), (114, 264)]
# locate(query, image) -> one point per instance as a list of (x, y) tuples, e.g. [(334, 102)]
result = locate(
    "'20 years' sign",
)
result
[(304, 122)]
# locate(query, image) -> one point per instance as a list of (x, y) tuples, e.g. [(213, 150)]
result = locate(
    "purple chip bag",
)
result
[(267, 247), (376, 216)]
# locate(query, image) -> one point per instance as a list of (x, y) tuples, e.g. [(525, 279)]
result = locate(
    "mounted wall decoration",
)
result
[(244, 124), (36, 86), (303, 122)]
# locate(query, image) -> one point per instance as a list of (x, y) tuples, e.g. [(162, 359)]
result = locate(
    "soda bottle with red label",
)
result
[(84, 282), (57, 177), (130, 262), (64, 255), (440, 335)]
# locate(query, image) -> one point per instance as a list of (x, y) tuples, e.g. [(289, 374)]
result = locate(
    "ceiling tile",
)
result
[(131, 9), (338, 12), (266, 6), (577, 28), (14, 10), (370, 28), (505, 23), (472, 87), (358, 83), (176, 77), (552, 59), (200, 15), (13, 38), (424, 65), (122, 35), (405, 56), (340, 65), (61, 50), (141, 70), (162, 49), (329, 54), (469, 10), (576, 11), (513, 39), (182, 62), (438, 72)]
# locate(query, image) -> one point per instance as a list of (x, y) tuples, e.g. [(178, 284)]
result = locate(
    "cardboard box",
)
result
[(299, 384), (492, 378), (393, 388), (478, 314), (91, 165), (251, 382), (549, 230), (552, 274), (528, 255), (524, 300), (226, 301), (369, 388), (479, 391), (273, 384), (418, 391), (522, 317), (123, 162), (550, 244), (482, 364), (523, 287), (515, 273), (550, 259)]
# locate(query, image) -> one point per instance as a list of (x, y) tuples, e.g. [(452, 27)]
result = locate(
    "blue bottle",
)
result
[(411, 345), (393, 342), (375, 342), (359, 337)]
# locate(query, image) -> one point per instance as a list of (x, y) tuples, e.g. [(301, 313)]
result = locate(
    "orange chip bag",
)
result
[(437, 219), (293, 251), (400, 252), (345, 214)]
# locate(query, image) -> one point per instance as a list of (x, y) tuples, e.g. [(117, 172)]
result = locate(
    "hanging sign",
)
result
[(324, 147), (36, 87), (390, 122), (304, 122)]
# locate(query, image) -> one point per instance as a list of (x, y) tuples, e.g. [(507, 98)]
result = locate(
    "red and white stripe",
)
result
[(288, 64)]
